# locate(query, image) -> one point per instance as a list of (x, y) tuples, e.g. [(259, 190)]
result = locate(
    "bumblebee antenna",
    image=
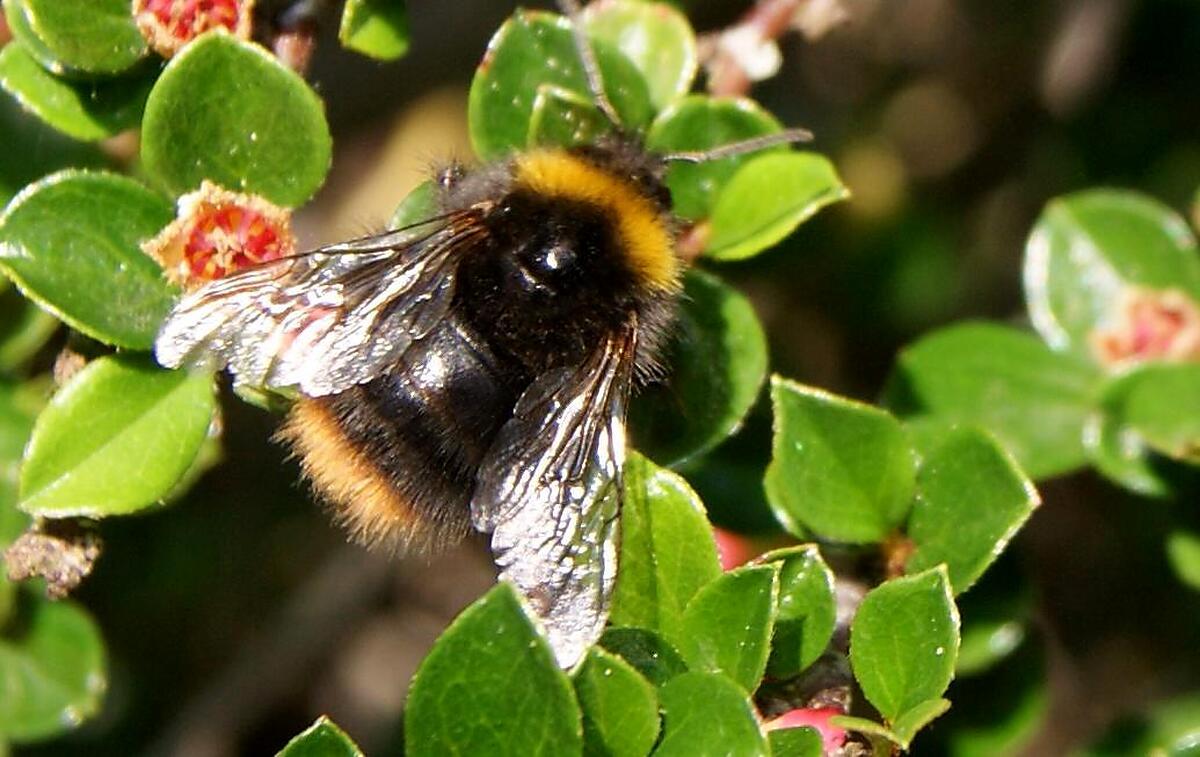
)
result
[(754, 144), (587, 56)]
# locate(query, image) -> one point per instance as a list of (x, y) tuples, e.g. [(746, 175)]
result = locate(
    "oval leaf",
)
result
[(842, 469), (70, 242), (565, 118), (766, 199), (1033, 399), (322, 739), (96, 36), (717, 362), (904, 641), (667, 550), (80, 109), (376, 28), (707, 715), (117, 415), (1088, 247), (971, 500), (620, 708), (698, 123), (648, 653), (807, 610), (727, 626), (1161, 404), (657, 38), (491, 686), (53, 673), (533, 49), (228, 111)]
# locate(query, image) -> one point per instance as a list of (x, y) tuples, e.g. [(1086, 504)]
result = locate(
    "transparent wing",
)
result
[(550, 493), (326, 320)]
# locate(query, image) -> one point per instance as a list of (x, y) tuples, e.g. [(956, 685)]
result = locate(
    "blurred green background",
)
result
[(237, 616)]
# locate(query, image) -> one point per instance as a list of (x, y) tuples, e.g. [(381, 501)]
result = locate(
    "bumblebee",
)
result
[(473, 370)]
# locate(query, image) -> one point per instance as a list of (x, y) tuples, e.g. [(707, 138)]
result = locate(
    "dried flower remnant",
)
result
[(1149, 325), (61, 551), (217, 232), (168, 25)]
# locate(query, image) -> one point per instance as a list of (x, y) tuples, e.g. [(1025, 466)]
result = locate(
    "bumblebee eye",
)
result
[(550, 263)]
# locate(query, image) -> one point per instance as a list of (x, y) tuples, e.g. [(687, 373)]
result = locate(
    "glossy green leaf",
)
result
[(766, 199), (917, 717), (491, 686), (565, 118), (1033, 399), (16, 14), (620, 708), (71, 243), (1088, 247), (667, 550), (728, 624), (717, 362), (1161, 403), (419, 205), (1183, 552), (96, 36), (228, 111), (322, 739), (971, 500), (1120, 453), (806, 612), (115, 439), (648, 652), (707, 715), (377, 28), (904, 642), (533, 49), (52, 671), (657, 38), (24, 329), (86, 110), (839, 468), (697, 123), (34, 150), (796, 742)]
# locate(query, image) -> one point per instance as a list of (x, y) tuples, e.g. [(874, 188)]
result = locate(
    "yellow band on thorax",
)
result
[(642, 229)]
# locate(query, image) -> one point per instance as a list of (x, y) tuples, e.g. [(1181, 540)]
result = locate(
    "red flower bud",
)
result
[(168, 25)]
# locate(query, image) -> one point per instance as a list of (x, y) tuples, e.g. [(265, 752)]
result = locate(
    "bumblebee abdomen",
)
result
[(397, 456)]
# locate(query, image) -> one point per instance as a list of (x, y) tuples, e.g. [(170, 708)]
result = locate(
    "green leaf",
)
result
[(667, 550), (228, 111), (491, 686), (1087, 248), (95, 36), (24, 329), (1120, 453), (727, 626), (707, 715), (33, 150), (322, 739), (971, 500), (620, 708), (419, 205), (115, 439), (917, 717), (1161, 404), (533, 49), (16, 424), (717, 362), (565, 118), (766, 199), (52, 671), (807, 610), (1183, 552), (904, 641), (1033, 399), (1170, 729), (86, 110), (17, 16), (71, 243), (842, 469), (377, 28), (796, 742), (649, 653), (697, 123), (657, 38)]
